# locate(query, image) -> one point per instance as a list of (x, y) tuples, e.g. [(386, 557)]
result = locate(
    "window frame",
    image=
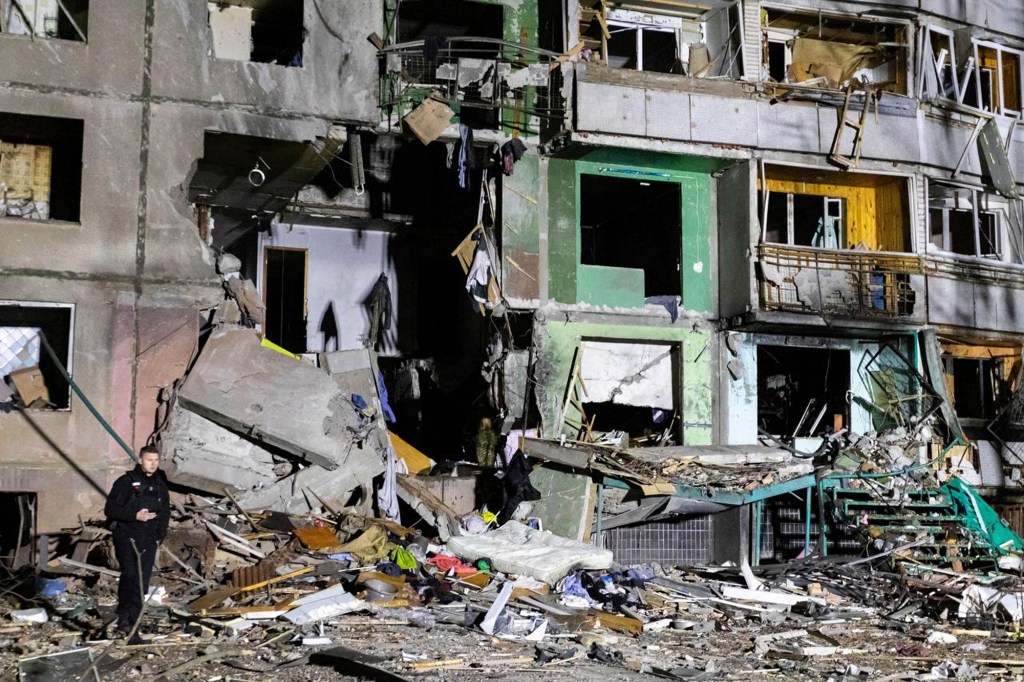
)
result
[(620, 19), (997, 87), (15, 6), (967, 78), (980, 201), (791, 219)]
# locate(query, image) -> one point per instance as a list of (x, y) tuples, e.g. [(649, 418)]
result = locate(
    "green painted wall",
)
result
[(558, 339), (619, 287), (520, 236), (563, 229), (571, 282)]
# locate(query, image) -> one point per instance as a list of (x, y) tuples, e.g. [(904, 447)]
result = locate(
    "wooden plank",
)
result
[(212, 599)]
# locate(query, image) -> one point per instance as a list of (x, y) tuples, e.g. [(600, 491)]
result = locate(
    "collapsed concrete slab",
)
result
[(292, 494), (203, 455), (276, 399)]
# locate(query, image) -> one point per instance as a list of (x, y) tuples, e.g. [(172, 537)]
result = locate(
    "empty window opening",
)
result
[(264, 31), (831, 210), (973, 383), (627, 223), (432, 20), (40, 167), (970, 222), (801, 392), (17, 530), (24, 363), (833, 51), (284, 293), (62, 19), (631, 388)]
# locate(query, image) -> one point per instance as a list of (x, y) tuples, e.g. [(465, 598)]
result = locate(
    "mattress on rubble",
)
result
[(521, 550)]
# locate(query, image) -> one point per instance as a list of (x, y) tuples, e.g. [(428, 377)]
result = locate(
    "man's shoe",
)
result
[(135, 639)]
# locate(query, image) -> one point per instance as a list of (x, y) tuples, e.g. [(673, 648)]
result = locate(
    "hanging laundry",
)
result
[(380, 309), (465, 147), (511, 152), (479, 277)]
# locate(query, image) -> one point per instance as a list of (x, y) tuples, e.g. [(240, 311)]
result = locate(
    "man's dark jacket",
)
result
[(135, 491)]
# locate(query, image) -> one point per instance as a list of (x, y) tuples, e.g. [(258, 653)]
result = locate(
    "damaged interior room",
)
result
[(511, 339)]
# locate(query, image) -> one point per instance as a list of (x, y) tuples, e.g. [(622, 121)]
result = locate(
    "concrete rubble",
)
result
[(315, 585)]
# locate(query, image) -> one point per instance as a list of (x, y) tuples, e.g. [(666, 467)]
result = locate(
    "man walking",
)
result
[(138, 507)]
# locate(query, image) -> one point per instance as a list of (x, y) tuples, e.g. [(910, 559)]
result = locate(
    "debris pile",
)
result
[(266, 591)]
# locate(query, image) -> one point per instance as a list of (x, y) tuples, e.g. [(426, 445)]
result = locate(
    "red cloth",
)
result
[(447, 562)]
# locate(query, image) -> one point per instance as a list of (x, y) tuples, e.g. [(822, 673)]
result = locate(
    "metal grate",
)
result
[(687, 541), (19, 348)]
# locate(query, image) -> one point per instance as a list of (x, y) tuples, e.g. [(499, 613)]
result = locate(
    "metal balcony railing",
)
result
[(484, 73), (837, 283)]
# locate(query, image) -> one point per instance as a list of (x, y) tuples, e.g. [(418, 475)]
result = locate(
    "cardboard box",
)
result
[(429, 119), (30, 385)]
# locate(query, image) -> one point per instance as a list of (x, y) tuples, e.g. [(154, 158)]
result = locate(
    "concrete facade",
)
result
[(147, 88), (139, 267)]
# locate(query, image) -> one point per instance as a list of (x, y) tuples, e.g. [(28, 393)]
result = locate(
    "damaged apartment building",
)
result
[(668, 249)]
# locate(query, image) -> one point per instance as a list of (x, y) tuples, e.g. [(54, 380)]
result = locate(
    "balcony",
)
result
[(489, 83), (841, 284)]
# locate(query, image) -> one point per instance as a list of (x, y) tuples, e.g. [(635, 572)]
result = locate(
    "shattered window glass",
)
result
[(900, 396), (19, 348)]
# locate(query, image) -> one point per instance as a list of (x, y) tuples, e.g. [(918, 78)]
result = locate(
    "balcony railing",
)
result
[(837, 283), (482, 73)]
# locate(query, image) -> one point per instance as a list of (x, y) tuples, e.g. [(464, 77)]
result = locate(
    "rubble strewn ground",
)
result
[(296, 598)]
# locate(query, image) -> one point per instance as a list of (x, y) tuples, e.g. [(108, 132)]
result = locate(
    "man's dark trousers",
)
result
[(130, 589)]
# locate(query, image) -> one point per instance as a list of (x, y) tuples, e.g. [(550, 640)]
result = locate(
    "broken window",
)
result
[(265, 31), (284, 293), (830, 210), (62, 19), (998, 79), (833, 51), (40, 167), (976, 73), (644, 42), (980, 378), (629, 223), (24, 362), (970, 222), (692, 41), (801, 392), (631, 389), (971, 381)]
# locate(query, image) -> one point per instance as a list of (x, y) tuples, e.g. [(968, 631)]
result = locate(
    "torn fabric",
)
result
[(837, 62)]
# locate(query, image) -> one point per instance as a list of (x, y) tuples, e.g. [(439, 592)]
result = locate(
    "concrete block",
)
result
[(255, 390), (289, 494), (790, 127), (728, 121), (668, 114), (200, 454), (610, 109)]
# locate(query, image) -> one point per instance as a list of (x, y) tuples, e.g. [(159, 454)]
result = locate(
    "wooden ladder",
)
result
[(858, 125)]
